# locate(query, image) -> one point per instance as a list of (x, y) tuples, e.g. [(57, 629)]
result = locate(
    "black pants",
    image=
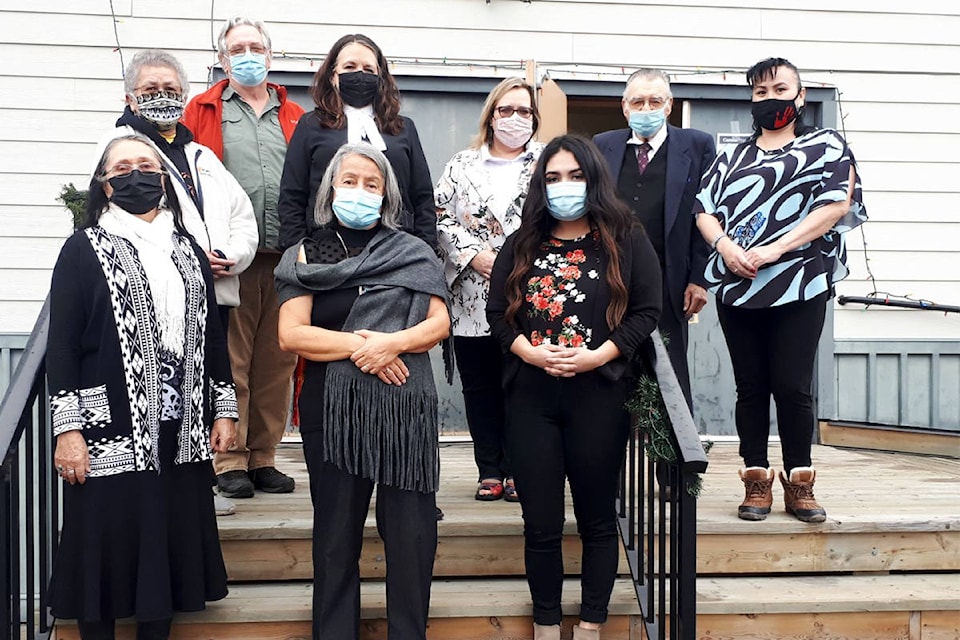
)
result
[(675, 333), (773, 351), (153, 630), (480, 364), (407, 523), (223, 312), (567, 428)]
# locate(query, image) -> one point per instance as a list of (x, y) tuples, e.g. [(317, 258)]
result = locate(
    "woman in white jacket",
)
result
[(216, 210)]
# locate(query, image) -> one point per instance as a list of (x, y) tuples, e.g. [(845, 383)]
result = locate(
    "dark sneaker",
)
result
[(234, 484), (270, 480)]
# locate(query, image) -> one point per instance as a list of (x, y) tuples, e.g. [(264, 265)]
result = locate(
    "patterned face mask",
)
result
[(162, 108)]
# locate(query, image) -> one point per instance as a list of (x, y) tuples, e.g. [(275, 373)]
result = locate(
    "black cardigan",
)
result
[(311, 148), (90, 370), (640, 270)]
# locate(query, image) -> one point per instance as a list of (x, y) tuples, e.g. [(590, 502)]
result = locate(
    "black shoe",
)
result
[(439, 514), (270, 480), (235, 484)]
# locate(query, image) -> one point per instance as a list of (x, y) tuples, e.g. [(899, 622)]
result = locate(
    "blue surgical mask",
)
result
[(356, 208), (567, 200), (249, 69), (646, 123)]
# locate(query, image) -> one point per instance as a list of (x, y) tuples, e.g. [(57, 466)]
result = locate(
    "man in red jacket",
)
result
[(248, 122)]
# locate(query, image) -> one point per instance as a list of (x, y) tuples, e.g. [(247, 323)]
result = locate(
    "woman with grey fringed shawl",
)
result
[(362, 303)]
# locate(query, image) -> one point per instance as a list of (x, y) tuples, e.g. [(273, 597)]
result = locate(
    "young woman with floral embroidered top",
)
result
[(573, 293), (775, 209), (479, 198)]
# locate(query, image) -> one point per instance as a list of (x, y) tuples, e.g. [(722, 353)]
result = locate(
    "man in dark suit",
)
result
[(658, 168)]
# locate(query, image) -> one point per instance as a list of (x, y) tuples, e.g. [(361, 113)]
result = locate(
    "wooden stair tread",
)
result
[(862, 491), (504, 598), (822, 594)]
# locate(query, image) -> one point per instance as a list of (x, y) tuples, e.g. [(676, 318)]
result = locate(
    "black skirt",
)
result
[(142, 544)]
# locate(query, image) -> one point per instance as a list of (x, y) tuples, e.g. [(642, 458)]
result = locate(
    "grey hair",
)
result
[(101, 169), (152, 58), (237, 21), (389, 210), (649, 74)]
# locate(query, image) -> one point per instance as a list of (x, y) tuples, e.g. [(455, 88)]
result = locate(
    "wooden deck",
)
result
[(885, 564)]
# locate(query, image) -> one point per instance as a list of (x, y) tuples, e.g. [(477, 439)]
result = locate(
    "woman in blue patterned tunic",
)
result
[(774, 209), (141, 397)]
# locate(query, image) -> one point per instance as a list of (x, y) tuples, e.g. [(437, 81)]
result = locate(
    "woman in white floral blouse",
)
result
[(479, 199)]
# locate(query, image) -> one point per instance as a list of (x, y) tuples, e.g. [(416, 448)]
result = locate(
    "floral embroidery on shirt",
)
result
[(551, 295)]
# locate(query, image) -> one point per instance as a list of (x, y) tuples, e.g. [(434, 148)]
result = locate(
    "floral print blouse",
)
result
[(561, 291), (473, 216)]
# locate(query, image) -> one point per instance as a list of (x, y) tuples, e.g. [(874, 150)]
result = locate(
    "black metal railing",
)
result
[(659, 527), (29, 494)]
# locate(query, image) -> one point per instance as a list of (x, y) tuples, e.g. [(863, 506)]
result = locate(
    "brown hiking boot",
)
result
[(758, 483), (798, 495)]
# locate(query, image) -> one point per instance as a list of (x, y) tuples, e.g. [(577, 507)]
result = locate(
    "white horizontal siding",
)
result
[(878, 323), (898, 237), (894, 65), (26, 221)]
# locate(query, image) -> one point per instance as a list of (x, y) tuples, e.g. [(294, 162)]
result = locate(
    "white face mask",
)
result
[(513, 132)]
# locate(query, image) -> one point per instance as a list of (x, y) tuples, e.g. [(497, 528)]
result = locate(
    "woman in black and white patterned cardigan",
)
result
[(141, 396)]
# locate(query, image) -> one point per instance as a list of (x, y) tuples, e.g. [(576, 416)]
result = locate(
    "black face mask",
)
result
[(136, 192), (358, 89), (772, 114)]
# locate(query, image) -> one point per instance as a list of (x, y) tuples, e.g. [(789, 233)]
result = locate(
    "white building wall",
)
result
[(894, 64)]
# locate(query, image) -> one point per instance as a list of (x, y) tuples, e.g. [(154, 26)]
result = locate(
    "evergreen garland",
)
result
[(76, 201), (650, 414)]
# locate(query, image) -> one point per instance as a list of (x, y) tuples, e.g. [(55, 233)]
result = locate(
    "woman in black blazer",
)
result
[(357, 99)]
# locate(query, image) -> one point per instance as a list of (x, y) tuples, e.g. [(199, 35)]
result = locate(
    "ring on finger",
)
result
[(71, 471)]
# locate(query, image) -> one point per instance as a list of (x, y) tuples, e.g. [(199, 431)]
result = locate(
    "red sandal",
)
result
[(493, 489)]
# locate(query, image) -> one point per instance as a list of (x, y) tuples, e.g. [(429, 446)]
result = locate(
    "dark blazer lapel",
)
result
[(612, 150), (678, 168)]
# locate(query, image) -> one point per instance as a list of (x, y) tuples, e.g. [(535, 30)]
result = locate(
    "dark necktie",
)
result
[(643, 157)]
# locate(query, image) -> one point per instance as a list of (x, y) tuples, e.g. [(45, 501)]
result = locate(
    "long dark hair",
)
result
[(607, 214), (327, 98), (767, 69), (97, 200)]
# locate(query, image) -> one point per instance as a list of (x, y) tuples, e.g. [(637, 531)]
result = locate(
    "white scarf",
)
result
[(360, 125), (154, 244)]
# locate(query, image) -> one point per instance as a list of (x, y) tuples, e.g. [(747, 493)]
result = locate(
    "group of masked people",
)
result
[(229, 237)]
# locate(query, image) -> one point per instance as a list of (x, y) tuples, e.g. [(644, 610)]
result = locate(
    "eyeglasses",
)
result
[(654, 102), (240, 49), (506, 111), (124, 169)]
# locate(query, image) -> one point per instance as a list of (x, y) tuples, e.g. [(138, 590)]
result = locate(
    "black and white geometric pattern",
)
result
[(65, 412), (133, 311), (194, 443), (95, 407), (110, 457), (223, 397)]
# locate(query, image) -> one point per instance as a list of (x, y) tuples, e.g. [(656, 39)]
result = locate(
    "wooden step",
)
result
[(903, 439), (885, 512), (862, 607)]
